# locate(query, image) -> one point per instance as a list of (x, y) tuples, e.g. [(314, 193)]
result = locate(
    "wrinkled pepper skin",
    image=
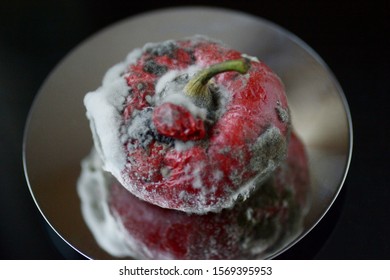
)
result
[(251, 229), (175, 121), (200, 165)]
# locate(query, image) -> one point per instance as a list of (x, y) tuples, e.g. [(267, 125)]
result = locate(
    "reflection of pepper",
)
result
[(254, 228), (202, 124)]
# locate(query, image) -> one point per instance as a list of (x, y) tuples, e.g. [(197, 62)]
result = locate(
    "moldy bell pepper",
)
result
[(197, 126)]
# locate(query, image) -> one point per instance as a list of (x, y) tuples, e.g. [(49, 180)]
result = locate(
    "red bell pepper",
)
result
[(201, 125)]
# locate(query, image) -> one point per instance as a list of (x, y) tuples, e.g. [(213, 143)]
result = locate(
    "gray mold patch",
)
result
[(283, 113), (167, 48), (268, 150)]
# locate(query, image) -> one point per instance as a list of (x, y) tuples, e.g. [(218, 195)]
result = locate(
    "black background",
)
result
[(351, 36)]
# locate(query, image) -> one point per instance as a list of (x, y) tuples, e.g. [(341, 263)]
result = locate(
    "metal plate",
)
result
[(57, 135)]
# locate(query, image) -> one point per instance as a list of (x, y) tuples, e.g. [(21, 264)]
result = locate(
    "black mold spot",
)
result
[(144, 130), (191, 54), (152, 67)]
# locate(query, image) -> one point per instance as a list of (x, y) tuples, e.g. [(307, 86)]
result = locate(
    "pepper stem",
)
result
[(198, 86)]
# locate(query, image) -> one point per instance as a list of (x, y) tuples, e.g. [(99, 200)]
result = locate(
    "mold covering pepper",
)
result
[(191, 125)]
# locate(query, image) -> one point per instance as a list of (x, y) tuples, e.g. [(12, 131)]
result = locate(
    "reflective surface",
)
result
[(57, 135)]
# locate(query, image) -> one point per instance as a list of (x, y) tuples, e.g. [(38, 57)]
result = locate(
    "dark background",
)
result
[(351, 36)]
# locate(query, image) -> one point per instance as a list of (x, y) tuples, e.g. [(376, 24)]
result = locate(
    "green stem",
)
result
[(198, 86)]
